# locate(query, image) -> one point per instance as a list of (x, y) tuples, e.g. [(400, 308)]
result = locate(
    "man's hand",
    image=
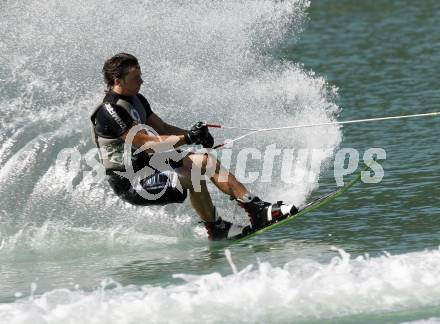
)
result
[(199, 134)]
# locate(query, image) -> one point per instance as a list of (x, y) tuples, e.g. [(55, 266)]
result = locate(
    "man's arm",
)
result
[(155, 143), (198, 134), (163, 128), (113, 121)]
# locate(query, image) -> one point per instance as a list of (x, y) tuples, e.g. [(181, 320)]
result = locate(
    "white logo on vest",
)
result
[(115, 116)]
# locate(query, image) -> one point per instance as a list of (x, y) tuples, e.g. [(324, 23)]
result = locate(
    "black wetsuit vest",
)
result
[(115, 116)]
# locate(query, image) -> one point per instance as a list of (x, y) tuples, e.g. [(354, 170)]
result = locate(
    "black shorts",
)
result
[(158, 189)]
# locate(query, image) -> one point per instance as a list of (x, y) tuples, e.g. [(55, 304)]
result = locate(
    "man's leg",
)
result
[(196, 167), (192, 175), (206, 164), (200, 199)]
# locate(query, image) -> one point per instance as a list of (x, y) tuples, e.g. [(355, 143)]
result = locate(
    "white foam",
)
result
[(431, 320), (57, 239), (301, 289)]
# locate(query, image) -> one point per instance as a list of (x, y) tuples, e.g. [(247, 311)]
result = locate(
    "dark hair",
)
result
[(117, 67)]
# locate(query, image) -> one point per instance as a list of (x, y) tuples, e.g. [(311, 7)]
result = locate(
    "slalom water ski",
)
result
[(314, 204)]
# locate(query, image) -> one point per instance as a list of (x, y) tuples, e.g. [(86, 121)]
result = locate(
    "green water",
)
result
[(384, 57)]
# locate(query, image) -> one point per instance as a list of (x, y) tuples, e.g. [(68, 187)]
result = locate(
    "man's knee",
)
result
[(205, 163), (185, 180)]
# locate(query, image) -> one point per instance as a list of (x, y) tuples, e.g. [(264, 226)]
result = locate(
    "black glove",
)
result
[(199, 134), (208, 141)]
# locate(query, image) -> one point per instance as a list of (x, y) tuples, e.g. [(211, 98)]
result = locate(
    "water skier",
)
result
[(124, 108)]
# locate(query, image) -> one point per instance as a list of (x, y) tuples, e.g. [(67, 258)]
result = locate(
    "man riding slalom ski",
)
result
[(115, 124)]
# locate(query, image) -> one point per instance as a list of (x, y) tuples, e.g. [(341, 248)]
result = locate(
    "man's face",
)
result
[(132, 82)]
